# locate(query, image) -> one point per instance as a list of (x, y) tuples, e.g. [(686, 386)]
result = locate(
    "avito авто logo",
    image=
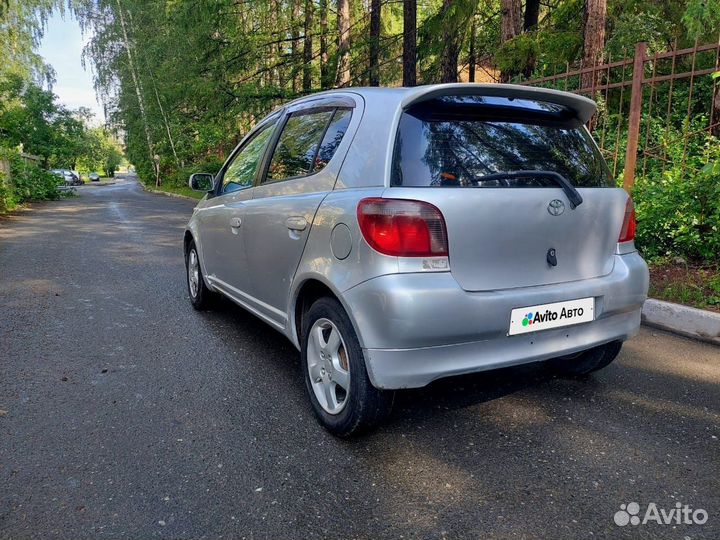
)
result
[(565, 313)]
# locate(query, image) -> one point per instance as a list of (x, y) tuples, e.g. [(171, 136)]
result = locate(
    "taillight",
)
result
[(403, 228), (627, 232)]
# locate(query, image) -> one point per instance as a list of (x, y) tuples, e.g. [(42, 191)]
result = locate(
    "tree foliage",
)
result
[(183, 81), (24, 181), (33, 121), (21, 26)]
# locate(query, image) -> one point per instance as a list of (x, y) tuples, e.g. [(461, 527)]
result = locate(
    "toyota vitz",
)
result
[(397, 236)]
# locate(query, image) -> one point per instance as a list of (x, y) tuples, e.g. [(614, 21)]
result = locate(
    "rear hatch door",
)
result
[(492, 166)]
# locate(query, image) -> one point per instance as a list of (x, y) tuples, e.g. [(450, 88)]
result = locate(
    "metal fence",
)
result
[(649, 106)]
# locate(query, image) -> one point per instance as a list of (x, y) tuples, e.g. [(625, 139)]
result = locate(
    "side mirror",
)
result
[(201, 182)]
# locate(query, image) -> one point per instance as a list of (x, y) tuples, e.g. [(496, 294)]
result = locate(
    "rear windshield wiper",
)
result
[(572, 194)]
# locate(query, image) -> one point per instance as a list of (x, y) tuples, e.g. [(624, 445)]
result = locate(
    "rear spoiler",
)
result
[(583, 107)]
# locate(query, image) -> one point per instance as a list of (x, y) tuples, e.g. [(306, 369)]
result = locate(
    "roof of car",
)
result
[(404, 96)]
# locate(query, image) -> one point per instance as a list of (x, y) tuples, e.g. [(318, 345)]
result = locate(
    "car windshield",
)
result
[(478, 142)]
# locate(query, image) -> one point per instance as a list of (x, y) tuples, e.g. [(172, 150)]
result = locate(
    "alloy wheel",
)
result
[(327, 363), (193, 273)]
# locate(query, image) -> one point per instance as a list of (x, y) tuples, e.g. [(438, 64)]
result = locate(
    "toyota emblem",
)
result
[(556, 207)]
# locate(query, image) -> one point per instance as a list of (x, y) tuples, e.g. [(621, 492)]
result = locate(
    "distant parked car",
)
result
[(94, 177), (397, 236), (68, 177)]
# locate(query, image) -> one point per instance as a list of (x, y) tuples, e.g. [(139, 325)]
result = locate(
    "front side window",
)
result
[(240, 173), (475, 144)]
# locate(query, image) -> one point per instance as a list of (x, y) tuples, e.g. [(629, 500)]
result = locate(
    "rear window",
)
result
[(470, 141)]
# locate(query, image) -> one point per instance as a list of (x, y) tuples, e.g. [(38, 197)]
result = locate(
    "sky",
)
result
[(62, 47)]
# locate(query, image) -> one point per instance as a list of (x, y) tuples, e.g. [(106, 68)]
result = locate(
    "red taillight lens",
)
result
[(403, 228), (627, 232)]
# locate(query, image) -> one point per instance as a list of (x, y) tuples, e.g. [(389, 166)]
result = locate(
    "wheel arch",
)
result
[(187, 239), (307, 291)]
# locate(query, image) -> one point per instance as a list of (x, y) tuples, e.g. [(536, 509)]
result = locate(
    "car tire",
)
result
[(343, 412), (586, 362), (201, 297)]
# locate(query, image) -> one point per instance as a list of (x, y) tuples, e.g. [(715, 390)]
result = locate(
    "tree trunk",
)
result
[(715, 130), (295, 45), (471, 53), (595, 15), (375, 43), (324, 68), (343, 23), (511, 25), (307, 46), (451, 46), (157, 95), (165, 121), (530, 22), (532, 14), (409, 42), (275, 6), (136, 83)]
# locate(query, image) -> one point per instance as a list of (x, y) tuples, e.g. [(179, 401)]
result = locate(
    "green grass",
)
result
[(696, 286)]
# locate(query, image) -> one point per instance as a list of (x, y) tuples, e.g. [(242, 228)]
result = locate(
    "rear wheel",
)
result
[(586, 362), (201, 297), (341, 394)]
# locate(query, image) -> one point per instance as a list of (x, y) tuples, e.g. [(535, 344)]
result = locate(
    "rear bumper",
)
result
[(415, 328)]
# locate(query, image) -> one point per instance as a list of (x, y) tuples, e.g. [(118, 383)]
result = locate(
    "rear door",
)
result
[(507, 230), (298, 174)]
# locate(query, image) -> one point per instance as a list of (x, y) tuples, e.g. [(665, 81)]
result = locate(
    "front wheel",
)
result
[(201, 297), (341, 394), (585, 362)]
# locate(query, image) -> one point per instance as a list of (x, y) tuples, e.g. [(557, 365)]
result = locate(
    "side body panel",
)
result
[(274, 248), (319, 263), (281, 216)]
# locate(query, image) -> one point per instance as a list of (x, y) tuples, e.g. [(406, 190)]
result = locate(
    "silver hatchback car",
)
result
[(397, 236)]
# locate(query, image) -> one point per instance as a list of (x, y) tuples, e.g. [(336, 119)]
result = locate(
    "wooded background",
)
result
[(183, 81)]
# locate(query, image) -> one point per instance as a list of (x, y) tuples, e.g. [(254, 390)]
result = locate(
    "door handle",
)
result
[(235, 222), (296, 223)]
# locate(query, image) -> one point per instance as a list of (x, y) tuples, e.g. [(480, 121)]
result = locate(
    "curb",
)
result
[(684, 320), (167, 193)]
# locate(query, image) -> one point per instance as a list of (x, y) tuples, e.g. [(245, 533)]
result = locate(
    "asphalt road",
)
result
[(124, 413)]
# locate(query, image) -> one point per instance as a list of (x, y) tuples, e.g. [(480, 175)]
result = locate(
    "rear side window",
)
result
[(472, 141), (333, 137), (308, 142)]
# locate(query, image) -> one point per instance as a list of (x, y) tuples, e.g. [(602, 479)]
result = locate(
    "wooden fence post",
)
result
[(635, 113)]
